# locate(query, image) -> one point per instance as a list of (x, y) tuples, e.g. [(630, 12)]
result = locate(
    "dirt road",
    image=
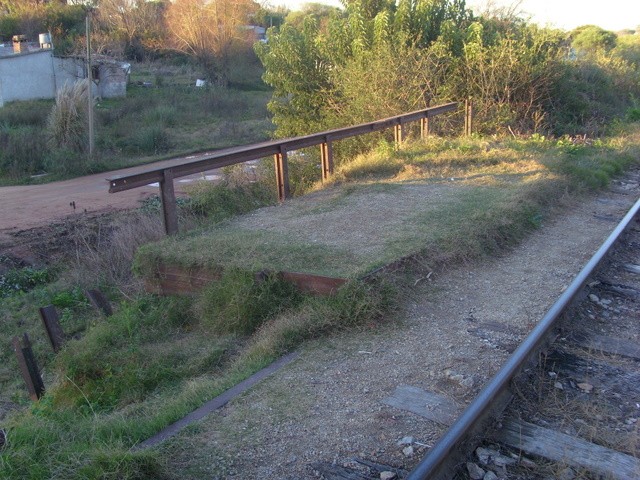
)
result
[(31, 206)]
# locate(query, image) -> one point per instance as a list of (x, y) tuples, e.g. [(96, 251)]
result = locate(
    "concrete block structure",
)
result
[(28, 72)]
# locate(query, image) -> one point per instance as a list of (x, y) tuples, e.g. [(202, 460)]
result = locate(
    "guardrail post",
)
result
[(282, 175), (397, 134), (28, 367), (425, 129), (326, 154), (169, 207), (468, 117), (51, 322)]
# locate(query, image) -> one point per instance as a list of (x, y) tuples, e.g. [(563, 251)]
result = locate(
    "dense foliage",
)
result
[(379, 58)]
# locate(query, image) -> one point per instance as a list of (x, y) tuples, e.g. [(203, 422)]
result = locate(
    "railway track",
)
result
[(567, 403)]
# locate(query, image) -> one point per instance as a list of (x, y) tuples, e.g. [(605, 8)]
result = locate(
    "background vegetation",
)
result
[(380, 58)]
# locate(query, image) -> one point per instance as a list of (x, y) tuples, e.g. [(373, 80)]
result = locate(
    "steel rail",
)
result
[(435, 463), (231, 156)]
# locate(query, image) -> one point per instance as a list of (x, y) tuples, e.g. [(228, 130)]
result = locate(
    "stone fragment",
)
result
[(490, 476), (475, 472), (408, 451), (388, 475), (405, 441), (467, 382), (594, 298), (489, 456), (558, 385), (585, 387)]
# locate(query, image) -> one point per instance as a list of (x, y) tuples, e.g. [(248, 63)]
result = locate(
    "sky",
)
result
[(612, 15)]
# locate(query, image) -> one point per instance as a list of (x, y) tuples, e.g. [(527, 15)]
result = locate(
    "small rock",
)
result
[(408, 451), (483, 455), (605, 302), (594, 298), (405, 441), (490, 476), (388, 475), (475, 472), (552, 374), (467, 382), (558, 385), (585, 387), (488, 456), (630, 421)]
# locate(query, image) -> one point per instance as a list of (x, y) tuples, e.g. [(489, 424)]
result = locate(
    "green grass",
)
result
[(122, 379), (441, 200)]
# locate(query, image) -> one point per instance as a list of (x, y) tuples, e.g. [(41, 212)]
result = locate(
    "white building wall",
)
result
[(36, 75), (27, 76)]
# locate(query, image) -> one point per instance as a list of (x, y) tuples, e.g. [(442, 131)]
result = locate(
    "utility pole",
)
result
[(90, 82)]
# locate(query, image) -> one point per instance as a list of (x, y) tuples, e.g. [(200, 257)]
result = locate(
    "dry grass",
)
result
[(105, 251), (67, 121)]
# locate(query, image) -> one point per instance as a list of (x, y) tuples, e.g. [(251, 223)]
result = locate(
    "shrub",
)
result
[(150, 140), (236, 195), (22, 280)]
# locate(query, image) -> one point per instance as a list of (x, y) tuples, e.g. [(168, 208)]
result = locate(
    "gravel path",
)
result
[(454, 331)]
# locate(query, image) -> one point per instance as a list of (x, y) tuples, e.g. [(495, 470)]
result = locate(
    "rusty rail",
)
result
[(277, 148), (440, 461)]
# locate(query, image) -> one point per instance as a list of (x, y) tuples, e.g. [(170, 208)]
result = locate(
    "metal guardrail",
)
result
[(277, 148), (436, 464)]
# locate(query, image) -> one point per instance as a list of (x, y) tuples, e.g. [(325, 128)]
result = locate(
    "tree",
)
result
[(329, 77), (208, 29), (592, 39), (135, 26)]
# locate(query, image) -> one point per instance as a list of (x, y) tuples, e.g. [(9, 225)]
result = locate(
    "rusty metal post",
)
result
[(28, 367), (468, 116), (99, 301), (51, 322), (326, 154), (169, 207), (397, 134), (282, 175), (425, 129)]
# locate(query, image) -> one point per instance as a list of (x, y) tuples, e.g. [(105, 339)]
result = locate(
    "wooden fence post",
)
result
[(169, 207), (326, 154), (28, 367), (282, 175), (51, 322), (100, 302)]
